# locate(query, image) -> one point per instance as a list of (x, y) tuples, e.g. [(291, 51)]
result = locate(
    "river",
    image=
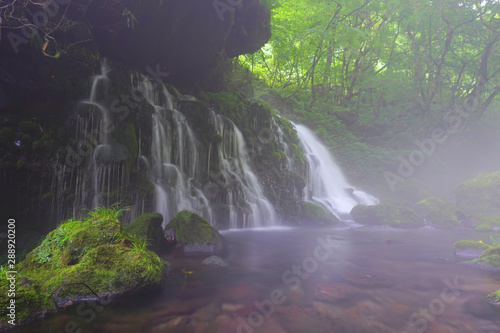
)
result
[(347, 280)]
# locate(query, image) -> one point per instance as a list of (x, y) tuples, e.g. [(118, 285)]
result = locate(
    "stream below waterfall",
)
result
[(348, 280)]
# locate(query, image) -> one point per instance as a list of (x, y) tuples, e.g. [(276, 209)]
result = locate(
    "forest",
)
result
[(374, 76)]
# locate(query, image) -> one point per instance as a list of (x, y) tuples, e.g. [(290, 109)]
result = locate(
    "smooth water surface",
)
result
[(349, 280)]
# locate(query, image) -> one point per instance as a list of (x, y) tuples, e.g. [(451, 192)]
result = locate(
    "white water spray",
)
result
[(326, 184)]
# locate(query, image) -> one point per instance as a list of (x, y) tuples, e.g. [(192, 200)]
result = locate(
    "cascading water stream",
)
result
[(213, 178), (326, 184), (173, 165), (248, 207)]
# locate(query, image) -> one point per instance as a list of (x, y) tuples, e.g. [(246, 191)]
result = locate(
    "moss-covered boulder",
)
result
[(479, 194), (489, 260), (485, 222), (148, 226), (494, 299), (469, 249), (194, 234), (81, 260), (385, 214), (439, 212), (312, 213)]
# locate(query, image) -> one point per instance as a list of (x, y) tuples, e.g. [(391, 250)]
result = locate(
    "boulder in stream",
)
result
[(94, 259), (469, 249), (194, 234), (439, 212)]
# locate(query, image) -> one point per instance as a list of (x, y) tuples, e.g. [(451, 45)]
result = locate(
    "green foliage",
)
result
[(101, 213), (346, 67), (494, 241)]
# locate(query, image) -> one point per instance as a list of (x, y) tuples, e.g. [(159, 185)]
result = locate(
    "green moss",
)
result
[(30, 299), (490, 259), (228, 103), (470, 244), (494, 298), (315, 214), (217, 138), (479, 194), (97, 252), (148, 226), (486, 222), (438, 212), (385, 214), (190, 228)]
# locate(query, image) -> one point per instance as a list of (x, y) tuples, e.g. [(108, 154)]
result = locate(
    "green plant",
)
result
[(138, 243), (494, 241), (101, 213)]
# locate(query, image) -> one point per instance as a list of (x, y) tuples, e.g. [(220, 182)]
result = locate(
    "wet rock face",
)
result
[(184, 38)]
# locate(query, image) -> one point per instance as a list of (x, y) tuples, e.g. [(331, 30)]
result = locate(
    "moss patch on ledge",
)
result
[(96, 252)]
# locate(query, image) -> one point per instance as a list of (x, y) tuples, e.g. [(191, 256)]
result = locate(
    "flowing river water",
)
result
[(348, 280)]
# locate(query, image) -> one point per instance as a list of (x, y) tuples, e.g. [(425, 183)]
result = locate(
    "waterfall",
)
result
[(104, 171), (190, 158), (232, 197), (174, 166), (248, 207), (326, 184)]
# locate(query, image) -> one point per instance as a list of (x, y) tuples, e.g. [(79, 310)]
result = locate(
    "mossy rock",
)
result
[(494, 299), (385, 214), (479, 194), (489, 260), (194, 234), (469, 249), (439, 212), (485, 222), (96, 252), (312, 213), (148, 226)]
